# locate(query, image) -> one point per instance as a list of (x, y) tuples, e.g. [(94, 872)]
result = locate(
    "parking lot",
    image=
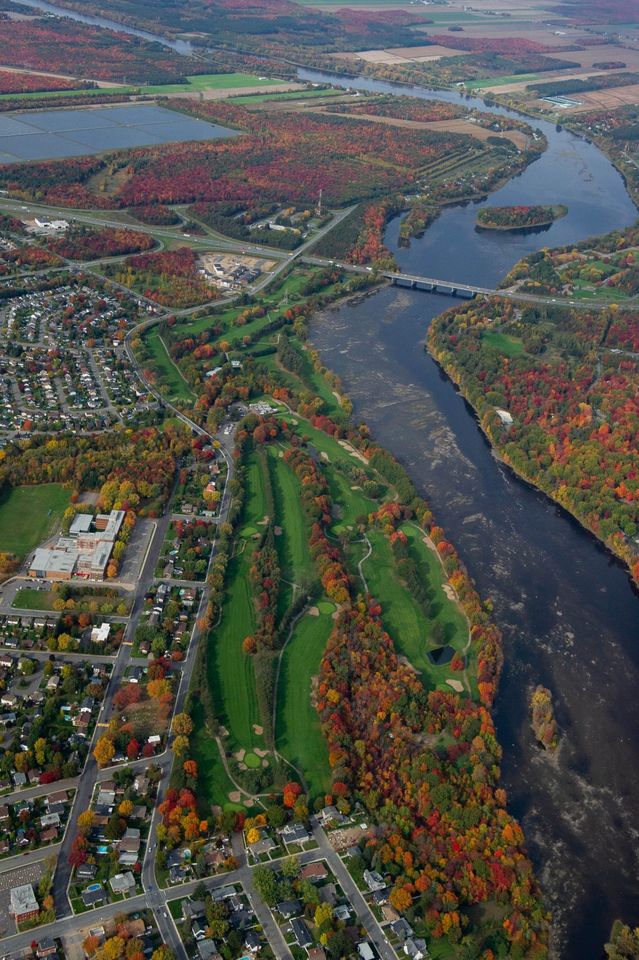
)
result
[(14, 878)]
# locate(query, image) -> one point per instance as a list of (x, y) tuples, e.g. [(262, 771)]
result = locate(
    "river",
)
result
[(568, 611), (569, 614)]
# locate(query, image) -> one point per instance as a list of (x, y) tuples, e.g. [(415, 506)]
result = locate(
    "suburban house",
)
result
[(314, 872), (301, 933), (374, 880), (416, 949)]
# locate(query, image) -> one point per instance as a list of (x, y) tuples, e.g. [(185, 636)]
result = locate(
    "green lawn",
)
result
[(510, 346), (168, 373), (231, 676), (30, 599), (403, 616), (29, 514), (212, 81), (298, 736), (292, 542), (502, 81), (213, 785)]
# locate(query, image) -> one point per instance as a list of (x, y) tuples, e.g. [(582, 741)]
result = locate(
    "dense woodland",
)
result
[(569, 379)]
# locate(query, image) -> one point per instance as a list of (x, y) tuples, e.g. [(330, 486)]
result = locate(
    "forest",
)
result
[(569, 380), (16, 82), (271, 26), (90, 243), (77, 49), (520, 217), (169, 277)]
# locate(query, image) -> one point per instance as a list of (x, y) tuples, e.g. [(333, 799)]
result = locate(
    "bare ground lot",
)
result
[(607, 99), (598, 54), (403, 54)]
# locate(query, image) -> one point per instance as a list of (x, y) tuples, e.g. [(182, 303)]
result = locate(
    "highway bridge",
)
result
[(447, 288), (431, 285)]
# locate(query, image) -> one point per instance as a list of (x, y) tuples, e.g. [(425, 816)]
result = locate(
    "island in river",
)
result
[(522, 217)]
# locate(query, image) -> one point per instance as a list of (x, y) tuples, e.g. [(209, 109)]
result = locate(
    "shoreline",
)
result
[(495, 451)]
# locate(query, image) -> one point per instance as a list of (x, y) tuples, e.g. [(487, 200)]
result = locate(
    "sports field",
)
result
[(230, 671), (298, 736), (403, 617), (29, 514)]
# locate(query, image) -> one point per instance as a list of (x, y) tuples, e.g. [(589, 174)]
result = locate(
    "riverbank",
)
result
[(513, 219), (452, 375)]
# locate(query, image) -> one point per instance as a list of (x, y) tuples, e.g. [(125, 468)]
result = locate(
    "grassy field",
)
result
[(292, 542), (231, 677), (503, 81), (214, 785), (510, 346), (298, 735), (30, 599), (168, 374), (249, 98), (403, 616), (212, 81), (29, 514)]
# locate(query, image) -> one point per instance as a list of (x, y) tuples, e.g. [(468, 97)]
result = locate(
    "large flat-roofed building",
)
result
[(53, 564), (24, 905), (84, 553), (80, 524)]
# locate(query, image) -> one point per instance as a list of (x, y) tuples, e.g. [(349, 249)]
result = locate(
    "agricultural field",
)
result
[(210, 83), (29, 514)]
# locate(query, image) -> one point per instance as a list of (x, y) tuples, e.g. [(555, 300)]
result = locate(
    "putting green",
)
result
[(252, 760), (325, 607)]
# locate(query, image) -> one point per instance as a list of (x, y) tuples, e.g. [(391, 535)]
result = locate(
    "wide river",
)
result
[(569, 614), (568, 611)]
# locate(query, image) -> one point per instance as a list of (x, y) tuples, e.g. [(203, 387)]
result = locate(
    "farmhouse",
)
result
[(24, 905)]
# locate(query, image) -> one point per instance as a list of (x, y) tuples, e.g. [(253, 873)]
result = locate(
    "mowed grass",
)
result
[(212, 81), (298, 736), (213, 784), (292, 542), (509, 346), (168, 374), (403, 616), (503, 81), (230, 671), (29, 514)]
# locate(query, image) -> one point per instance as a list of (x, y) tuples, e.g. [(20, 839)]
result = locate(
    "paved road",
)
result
[(364, 913)]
